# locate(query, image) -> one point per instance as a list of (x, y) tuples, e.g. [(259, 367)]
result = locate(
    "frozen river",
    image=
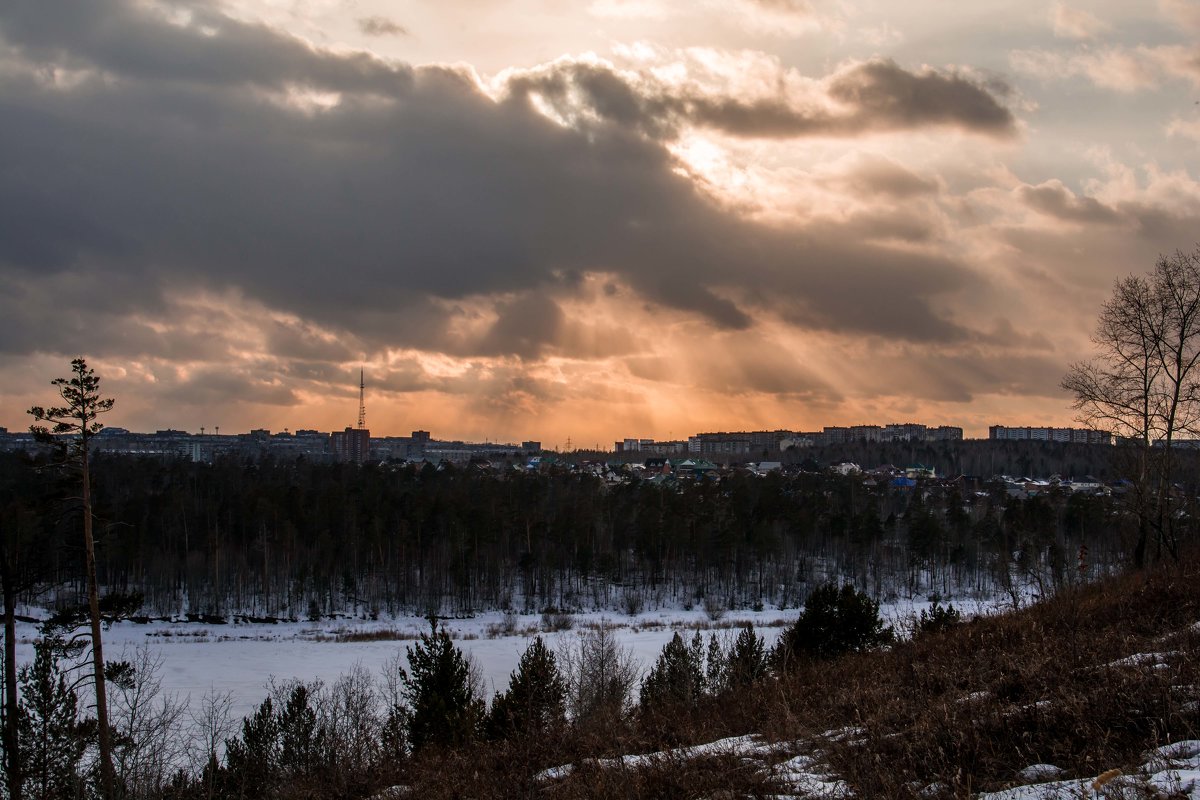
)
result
[(242, 658)]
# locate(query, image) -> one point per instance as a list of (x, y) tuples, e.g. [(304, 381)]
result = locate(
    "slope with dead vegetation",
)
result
[(1067, 691)]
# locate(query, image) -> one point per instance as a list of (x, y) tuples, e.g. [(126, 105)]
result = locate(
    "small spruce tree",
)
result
[(253, 758), (747, 659), (535, 700), (444, 707), (301, 736), (939, 617), (834, 622), (676, 678), (716, 666), (52, 736)]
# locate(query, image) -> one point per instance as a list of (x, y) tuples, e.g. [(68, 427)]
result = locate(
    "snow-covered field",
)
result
[(241, 658)]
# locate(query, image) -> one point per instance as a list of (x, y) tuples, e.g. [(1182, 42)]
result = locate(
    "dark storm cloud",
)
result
[(381, 26), (187, 42), (877, 95), (184, 167), (525, 327), (890, 97), (293, 340), (1056, 200), (60, 311)]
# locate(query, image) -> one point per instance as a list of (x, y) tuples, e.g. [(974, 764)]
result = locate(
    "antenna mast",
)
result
[(362, 405)]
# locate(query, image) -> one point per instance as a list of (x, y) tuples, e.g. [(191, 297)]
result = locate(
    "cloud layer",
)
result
[(227, 215)]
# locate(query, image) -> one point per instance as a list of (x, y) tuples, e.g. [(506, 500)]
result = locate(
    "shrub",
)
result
[(506, 627), (714, 607), (834, 622), (554, 620), (939, 617), (634, 602)]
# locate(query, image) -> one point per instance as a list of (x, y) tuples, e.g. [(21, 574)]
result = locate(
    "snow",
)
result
[(1151, 660), (800, 775), (746, 746), (241, 658), (1040, 772), (804, 777), (1169, 771)]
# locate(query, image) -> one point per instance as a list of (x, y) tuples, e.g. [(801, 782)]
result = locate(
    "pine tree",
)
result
[(716, 667), (939, 617), (444, 707), (747, 659), (676, 678), (52, 737), (77, 420), (301, 737), (535, 700), (253, 758)]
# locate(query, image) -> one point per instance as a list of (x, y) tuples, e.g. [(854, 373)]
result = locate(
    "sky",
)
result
[(553, 220)]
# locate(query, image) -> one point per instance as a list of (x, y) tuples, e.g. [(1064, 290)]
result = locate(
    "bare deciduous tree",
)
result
[(148, 727), (212, 724), (1143, 386), (600, 673)]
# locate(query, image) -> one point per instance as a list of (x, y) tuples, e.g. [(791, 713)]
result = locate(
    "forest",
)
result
[(296, 539)]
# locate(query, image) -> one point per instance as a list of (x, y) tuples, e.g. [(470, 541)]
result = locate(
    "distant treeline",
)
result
[(297, 539)]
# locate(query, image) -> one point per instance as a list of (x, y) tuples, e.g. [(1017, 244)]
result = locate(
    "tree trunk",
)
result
[(12, 754), (106, 762)]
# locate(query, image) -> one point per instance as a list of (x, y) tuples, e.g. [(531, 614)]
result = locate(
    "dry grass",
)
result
[(379, 635), (970, 707), (945, 715)]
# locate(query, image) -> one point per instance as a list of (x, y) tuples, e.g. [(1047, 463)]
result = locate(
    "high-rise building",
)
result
[(353, 445), (1047, 434)]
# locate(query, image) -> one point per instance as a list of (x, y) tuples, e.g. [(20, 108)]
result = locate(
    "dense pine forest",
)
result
[(301, 539)]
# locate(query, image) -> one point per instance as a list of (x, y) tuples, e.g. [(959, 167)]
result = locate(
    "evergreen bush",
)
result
[(939, 617), (834, 622)]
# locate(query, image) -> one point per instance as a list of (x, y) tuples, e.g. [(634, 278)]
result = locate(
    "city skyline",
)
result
[(525, 218), (753, 440)]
